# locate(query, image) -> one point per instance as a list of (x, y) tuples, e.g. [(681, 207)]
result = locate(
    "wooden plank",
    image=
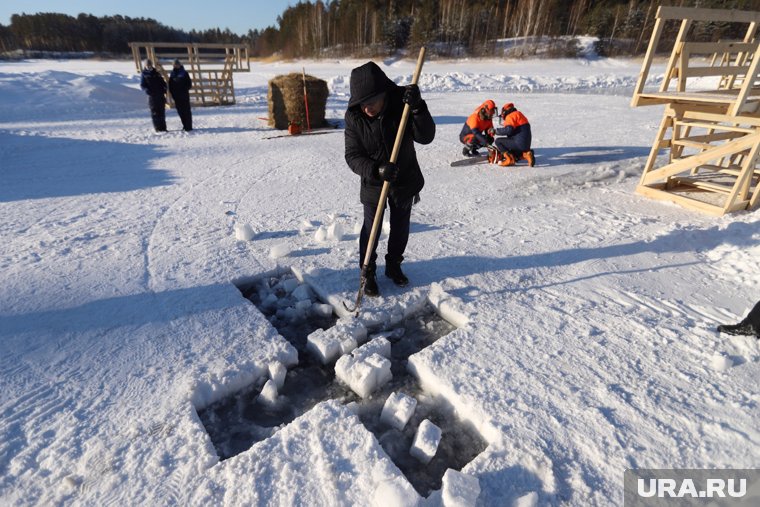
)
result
[(743, 182), (687, 143), (700, 14), (705, 185), (677, 46), (755, 199), (717, 96), (710, 138), (750, 121), (665, 124), (701, 158), (704, 71), (741, 58), (746, 89), (716, 126), (647, 63), (732, 170), (684, 201), (706, 48)]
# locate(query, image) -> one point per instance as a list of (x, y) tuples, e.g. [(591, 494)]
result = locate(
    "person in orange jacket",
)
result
[(514, 137), (478, 130)]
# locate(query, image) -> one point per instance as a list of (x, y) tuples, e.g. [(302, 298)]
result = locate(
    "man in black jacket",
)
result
[(179, 86), (155, 87), (372, 120)]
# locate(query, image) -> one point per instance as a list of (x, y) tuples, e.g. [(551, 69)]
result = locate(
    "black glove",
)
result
[(412, 97), (388, 171)]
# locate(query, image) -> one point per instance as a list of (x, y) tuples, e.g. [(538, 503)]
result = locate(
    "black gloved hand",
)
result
[(388, 171), (412, 96)]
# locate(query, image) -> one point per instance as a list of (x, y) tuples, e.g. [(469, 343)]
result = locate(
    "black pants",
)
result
[(398, 237), (158, 112), (184, 112), (754, 317), (514, 145)]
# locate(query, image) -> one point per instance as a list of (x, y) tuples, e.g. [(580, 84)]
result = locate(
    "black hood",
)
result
[(367, 81)]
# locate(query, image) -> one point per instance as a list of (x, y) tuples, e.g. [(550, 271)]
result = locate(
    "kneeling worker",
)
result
[(514, 138)]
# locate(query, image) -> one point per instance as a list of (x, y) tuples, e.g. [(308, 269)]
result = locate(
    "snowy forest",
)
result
[(379, 27)]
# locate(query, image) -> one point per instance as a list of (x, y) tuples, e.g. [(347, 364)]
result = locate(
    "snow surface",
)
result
[(585, 313)]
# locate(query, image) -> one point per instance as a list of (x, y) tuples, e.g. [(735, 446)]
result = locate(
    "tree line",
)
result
[(379, 27)]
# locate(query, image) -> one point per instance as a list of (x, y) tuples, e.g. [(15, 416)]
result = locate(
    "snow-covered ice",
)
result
[(426, 441), (277, 373), (279, 250), (335, 231), (459, 489), (585, 312), (363, 374), (243, 232), (397, 410), (323, 346), (366, 368), (327, 344), (268, 395)]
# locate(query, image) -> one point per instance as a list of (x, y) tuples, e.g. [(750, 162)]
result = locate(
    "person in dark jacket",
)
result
[(749, 326), (179, 86), (515, 140), (372, 120), (155, 87)]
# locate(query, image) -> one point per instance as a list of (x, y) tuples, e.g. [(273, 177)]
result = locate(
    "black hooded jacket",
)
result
[(152, 83), (180, 84), (369, 141)]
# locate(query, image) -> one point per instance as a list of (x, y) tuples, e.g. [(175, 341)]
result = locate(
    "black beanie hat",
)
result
[(367, 81)]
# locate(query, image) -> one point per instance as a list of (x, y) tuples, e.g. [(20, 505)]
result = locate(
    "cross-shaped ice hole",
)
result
[(234, 424)]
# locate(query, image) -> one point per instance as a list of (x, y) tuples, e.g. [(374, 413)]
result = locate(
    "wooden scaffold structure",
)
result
[(711, 124), (210, 66)]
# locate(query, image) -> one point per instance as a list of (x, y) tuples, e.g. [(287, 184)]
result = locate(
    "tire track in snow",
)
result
[(272, 171)]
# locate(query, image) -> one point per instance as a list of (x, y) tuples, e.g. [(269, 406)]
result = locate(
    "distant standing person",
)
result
[(372, 120), (155, 87), (179, 86)]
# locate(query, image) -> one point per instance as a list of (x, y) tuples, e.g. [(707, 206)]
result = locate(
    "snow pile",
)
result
[(426, 441), (367, 368)]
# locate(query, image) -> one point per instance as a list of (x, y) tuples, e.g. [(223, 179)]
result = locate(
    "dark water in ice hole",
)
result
[(239, 421)]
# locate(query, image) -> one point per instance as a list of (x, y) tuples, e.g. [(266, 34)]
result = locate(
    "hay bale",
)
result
[(285, 98)]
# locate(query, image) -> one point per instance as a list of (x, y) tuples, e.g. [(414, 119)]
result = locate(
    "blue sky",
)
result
[(237, 15)]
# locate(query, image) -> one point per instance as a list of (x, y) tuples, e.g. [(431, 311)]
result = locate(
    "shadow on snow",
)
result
[(37, 167)]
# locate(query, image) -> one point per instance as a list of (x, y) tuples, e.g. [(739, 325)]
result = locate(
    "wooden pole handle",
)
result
[(394, 157)]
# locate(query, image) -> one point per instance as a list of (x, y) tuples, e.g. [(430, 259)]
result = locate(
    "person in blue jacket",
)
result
[(514, 137), (179, 86), (155, 87)]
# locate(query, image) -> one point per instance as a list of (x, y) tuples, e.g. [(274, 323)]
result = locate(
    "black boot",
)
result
[(742, 328), (470, 150), (393, 271), (370, 282)]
